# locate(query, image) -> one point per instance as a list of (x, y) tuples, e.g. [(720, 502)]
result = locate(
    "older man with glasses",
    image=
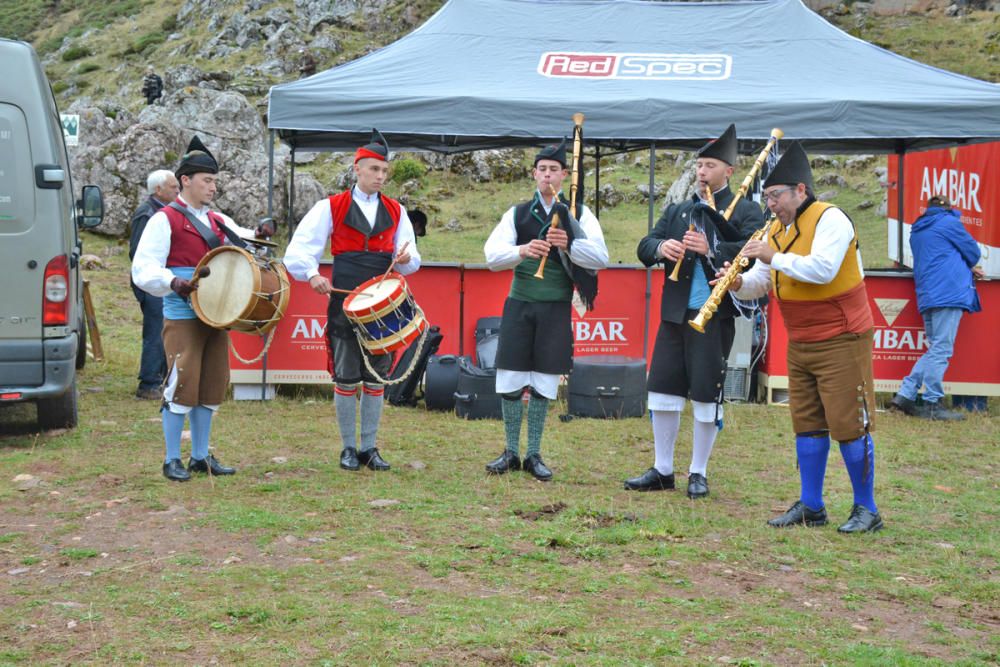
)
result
[(812, 261)]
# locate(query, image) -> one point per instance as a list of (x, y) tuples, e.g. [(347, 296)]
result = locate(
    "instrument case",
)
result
[(608, 387), (477, 397), (441, 381)]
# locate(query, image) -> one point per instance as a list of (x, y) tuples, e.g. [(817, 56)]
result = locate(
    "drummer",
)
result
[(174, 241), (366, 231)]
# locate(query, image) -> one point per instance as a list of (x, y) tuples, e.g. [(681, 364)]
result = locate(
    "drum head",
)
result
[(374, 294), (224, 294)]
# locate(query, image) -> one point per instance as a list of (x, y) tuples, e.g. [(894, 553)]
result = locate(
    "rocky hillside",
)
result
[(218, 58)]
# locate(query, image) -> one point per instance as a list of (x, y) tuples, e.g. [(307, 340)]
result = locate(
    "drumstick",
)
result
[(402, 249)]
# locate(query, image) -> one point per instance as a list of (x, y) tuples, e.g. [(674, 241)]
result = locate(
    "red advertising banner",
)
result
[(900, 341), (453, 298), (969, 176)]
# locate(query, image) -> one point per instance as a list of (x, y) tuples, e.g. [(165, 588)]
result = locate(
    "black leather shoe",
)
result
[(174, 470), (903, 404), (371, 458), (209, 464), (862, 520), (504, 463), (937, 412), (537, 468), (651, 480), (349, 459), (697, 486), (799, 514), (149, 393)]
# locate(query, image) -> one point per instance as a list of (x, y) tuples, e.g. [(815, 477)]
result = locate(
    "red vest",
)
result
[(187, 246), (344, 238)]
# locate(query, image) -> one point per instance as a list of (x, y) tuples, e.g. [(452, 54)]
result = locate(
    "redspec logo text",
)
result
[(309, 329), (900, 340), (961, 188), (649, 66)]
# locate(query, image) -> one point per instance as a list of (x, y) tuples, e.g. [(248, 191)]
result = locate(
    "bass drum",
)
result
[(242, 292)]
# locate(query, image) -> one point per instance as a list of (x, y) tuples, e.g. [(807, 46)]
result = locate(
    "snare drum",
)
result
[(243, 292), (385, 314)]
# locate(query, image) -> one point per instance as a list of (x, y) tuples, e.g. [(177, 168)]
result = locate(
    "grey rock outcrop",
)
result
[(118, 153)]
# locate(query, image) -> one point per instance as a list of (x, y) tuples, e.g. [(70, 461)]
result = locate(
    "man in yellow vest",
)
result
[(811, 260)]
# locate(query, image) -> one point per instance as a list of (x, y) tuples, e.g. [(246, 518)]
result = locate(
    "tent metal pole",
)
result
[(270, 214), (649, 228), (270, 175), (291, 191), (900, 153), (597, 181)]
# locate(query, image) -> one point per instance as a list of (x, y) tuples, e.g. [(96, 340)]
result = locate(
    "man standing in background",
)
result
[(162, 187)]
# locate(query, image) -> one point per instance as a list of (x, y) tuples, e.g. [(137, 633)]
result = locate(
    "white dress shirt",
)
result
[(149, 270), (834, 232), (502, 250), (312, 236)]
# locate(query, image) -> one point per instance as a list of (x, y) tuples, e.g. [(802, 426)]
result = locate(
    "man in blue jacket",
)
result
[(944, 268)]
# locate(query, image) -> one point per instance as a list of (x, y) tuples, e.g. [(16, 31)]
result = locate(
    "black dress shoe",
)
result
[(505, 462), (903, 404), (799, 514), (209, 464), (371, 458), (862, 520), (349, 459), (651, 480), (537, 468), (697, 486), (174, 470)]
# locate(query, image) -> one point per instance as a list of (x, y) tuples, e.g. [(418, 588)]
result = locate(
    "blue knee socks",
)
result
[(201, 427), (812, 451), (173, 424), (859, 457)]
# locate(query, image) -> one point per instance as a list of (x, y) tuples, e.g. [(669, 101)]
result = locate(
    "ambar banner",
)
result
[(969, 176)]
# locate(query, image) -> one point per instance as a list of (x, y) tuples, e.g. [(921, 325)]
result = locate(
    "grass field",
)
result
[(294, 561)]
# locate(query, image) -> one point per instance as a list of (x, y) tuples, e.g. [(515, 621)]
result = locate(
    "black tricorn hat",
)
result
[(723, 148), (555, 152), (792, 168), (377, 148), (197, 159)]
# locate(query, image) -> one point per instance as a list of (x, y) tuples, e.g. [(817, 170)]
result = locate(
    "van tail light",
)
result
[(55, 292)]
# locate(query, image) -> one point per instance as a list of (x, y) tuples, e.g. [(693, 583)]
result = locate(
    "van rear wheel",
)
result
[(59, 412)]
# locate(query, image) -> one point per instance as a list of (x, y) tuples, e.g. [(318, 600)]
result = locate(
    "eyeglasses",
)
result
[(775, 194)]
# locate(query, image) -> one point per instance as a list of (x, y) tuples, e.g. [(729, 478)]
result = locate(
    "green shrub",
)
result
[(75, 53), (407, 169), (169, 24), (59, 86), (87, 67), (146, 41)]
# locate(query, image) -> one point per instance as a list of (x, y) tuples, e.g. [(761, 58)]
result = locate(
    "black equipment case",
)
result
[(487, 340), (607, 386), (441, 381), (405, 392), (477, 397)]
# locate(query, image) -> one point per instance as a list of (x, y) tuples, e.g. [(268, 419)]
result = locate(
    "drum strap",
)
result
[(210, 238)]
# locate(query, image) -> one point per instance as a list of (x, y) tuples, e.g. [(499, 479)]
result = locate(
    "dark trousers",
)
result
[(153, 363)]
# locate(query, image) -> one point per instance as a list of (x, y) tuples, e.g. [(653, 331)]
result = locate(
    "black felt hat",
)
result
[(198, 159), (555, 152), (723, 148), (377, 148), (792, 168)]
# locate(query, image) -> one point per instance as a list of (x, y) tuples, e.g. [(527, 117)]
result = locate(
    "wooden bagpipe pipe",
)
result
[(575, 180)]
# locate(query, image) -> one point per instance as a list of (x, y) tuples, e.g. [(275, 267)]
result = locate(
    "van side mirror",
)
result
[(92, 207)]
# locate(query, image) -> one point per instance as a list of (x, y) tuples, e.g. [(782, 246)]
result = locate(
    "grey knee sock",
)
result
[(345, 403), (512, 412), (371, 414), (537, 409)]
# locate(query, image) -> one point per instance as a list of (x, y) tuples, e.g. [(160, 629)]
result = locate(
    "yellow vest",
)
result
[(797, 239)]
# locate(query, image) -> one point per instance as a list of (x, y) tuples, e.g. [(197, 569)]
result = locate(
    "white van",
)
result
[(42, 326)]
